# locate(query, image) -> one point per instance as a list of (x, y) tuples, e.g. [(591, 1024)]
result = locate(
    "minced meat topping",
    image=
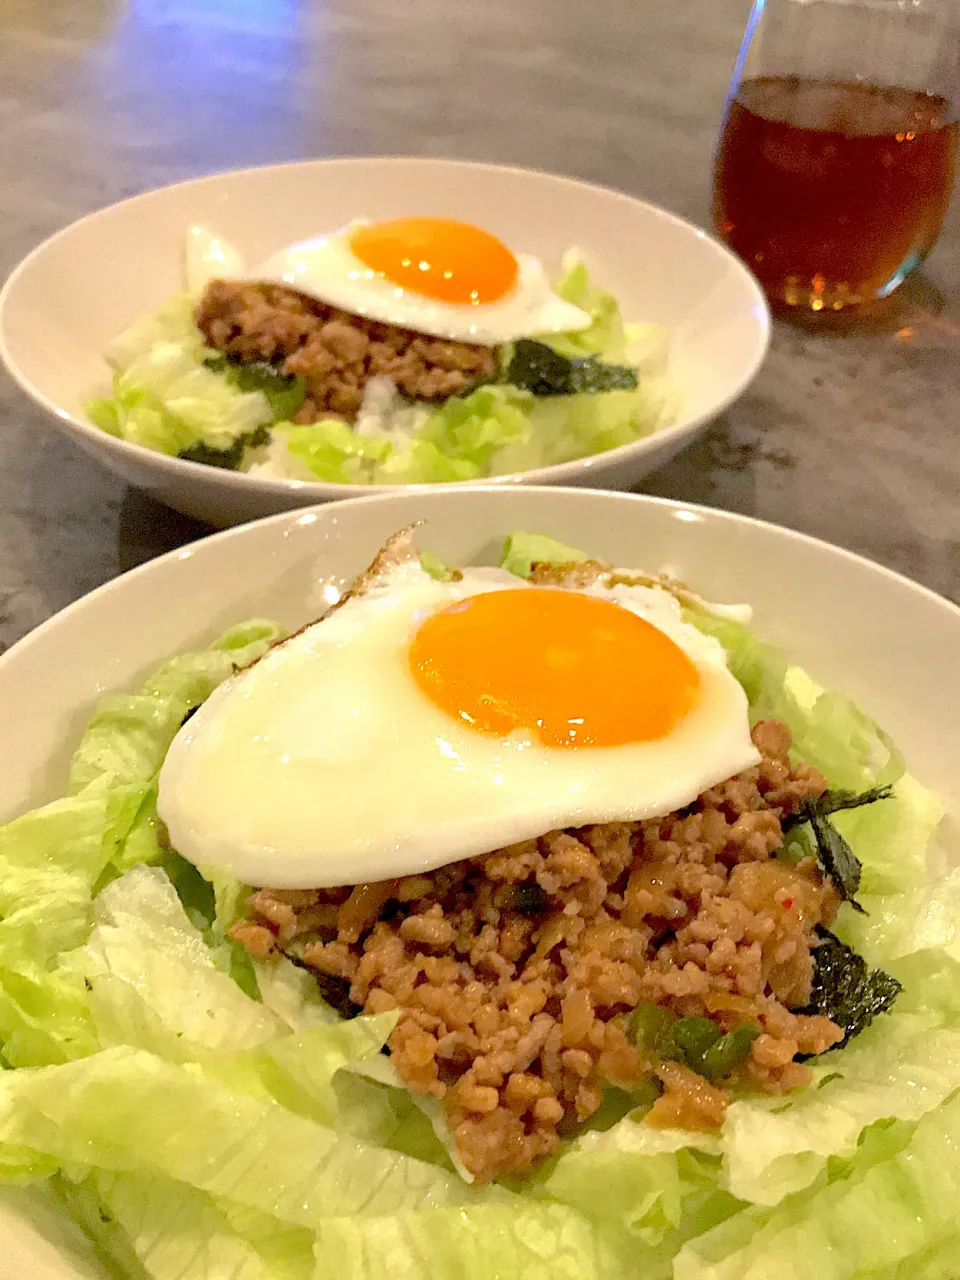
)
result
[(513, 972), (335, 352)]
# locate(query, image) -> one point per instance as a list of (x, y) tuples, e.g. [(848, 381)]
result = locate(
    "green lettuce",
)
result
[(608, 336), (127, 1110), (922, 920), (885, 1209), (478, 428), (331, 451), (148, 1226), (522, 1238), (522, 550), (904, 1066), (942, 1262), (50, 860), (891, 839), (165, 397), (53, 859), (493, 430), (155, 984), (128, 734), (828, 728), (242, 1093), (645, 1181)]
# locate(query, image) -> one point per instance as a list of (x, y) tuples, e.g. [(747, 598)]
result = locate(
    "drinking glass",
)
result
[(836, 158)]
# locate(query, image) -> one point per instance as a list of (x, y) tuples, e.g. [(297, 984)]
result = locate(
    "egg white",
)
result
[(325, 764), (326, 268), (208, 256)]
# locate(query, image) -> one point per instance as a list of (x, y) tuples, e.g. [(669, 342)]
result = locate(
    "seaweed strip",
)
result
[(537, 368), (845, 989), (838, 860), (835, 801), (834, 854), (231, 457)]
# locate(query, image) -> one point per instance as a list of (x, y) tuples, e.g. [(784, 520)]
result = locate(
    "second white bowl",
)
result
[(75, 292)]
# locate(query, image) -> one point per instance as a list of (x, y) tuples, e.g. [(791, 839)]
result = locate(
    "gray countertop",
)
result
[(854, 438)]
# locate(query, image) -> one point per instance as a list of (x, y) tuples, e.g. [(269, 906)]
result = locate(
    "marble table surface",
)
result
[(854, 437)]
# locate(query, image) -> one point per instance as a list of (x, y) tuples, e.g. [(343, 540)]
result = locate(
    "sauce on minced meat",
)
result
[(511, 971)]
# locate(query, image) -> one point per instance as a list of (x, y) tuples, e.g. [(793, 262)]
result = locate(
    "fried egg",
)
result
[(207, 256), (435, 275), (424, 722)]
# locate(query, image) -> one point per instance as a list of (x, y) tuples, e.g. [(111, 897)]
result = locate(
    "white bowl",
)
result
[(75, 292), (889, 643)]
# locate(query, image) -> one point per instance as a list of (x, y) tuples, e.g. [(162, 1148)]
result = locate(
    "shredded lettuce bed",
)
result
[(206, 1118), (166, 398)]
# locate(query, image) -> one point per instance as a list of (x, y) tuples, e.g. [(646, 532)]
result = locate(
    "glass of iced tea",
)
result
[(836, 158)]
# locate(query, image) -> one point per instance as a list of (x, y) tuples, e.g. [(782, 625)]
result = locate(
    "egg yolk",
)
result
[(438, 258), (574, 670)]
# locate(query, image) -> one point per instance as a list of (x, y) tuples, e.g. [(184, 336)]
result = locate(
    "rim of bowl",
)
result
[(244, 482), (468, 490)]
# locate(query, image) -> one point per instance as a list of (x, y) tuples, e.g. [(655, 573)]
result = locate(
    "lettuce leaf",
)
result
[(880, 1214), (129, 734), (164, 396), (493, 430), (903, 1067), (182, 1234), (331, 451), (155, 984), (153, 1226), (50, 860), (478, 428), (53, 859), (173, 321), (892, 839), (523, 1238), (455, 442), (925, 919), (607, 336), (522, 550), (942, 1262), (644, 1180), (126, 1110)]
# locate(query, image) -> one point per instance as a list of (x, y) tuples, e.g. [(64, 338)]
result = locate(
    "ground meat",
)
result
[(687, 1102), (334, 351), (513, 971)]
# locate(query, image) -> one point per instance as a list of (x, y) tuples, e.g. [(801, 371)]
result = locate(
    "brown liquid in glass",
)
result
[(833, 193)]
